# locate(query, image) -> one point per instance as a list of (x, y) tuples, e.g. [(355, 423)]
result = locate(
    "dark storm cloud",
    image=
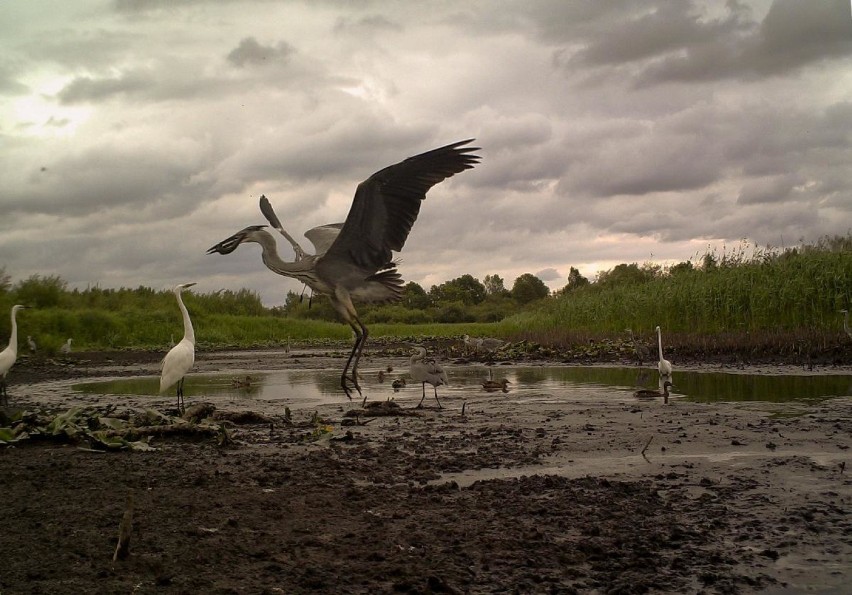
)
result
[(654, 43)]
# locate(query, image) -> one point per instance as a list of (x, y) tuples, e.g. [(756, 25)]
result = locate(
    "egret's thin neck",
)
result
[(660, 343), (188, 332), (13, 337)]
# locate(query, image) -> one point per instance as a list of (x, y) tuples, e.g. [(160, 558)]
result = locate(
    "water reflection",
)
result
[(314, 387)]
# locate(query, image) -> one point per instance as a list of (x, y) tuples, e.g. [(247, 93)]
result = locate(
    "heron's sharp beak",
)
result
[(230, 244)]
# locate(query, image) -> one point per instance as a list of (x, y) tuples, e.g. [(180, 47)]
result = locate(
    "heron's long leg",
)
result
[(420, 404), (436, 397), (359, 338)]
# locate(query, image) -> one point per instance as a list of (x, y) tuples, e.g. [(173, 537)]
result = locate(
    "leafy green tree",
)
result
[(5, 280), (624, 274), (494, 285), (575, 281), (415, 297), (465, 289), (681, 267), (529, 288), (41, 292)]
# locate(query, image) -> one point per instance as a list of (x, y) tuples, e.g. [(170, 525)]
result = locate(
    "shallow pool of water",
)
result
[(315, 387)]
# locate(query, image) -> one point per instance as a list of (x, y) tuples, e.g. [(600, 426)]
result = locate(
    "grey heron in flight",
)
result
[(358, 265)]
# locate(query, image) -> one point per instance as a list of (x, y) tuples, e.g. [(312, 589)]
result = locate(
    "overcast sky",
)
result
[(135, 134)]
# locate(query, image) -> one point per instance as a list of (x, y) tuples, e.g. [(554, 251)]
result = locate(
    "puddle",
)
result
[(528, 385), (633, 465)]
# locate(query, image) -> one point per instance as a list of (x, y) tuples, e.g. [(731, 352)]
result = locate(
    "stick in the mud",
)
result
[(647, 444), (125, 528)]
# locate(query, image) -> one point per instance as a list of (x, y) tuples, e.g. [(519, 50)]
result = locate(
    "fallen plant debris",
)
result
[(96, 428)]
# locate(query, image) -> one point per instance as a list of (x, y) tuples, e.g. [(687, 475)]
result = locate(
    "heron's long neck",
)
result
[(188, 332), (301, 269), (660, 343), (13, 338)]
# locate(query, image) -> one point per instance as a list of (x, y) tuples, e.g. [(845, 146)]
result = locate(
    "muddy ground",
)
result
[(534, 497)]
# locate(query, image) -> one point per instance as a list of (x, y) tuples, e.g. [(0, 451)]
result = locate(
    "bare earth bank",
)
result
[(505, 497)]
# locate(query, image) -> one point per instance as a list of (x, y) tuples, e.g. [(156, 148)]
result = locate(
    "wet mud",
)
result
[(485, 495)]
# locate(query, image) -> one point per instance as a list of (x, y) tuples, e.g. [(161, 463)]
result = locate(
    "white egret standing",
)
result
[(31, 344), (358, 266), (179, 359), (664, 365), (9, 355), (66, 347), (427, 370)]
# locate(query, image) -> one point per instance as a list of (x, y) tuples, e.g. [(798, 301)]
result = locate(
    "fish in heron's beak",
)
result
[(229, 245)]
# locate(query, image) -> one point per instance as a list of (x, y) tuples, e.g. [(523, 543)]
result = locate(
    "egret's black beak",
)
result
[(229, 245)]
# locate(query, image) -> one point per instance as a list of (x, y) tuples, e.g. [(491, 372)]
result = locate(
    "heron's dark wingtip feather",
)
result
[(269, 212)]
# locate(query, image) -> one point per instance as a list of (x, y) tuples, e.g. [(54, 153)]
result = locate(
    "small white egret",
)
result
[(9, 355), (179, 359), (66, 347), (664, 365), (424, 370), (31, 344)]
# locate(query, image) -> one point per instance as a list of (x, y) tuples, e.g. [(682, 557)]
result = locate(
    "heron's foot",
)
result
[(344, 384)]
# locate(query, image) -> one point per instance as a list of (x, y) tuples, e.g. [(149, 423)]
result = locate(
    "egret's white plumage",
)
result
[(32, 344), (181, 357), (9, 355), (664, 365), (424, 370), (66, 347)]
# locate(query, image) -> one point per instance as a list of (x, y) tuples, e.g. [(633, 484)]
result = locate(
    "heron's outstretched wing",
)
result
[(323, 237), (387, 203)]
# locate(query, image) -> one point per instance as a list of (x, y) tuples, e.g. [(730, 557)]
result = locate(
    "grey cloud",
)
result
[(370, 23), (85, 89), (768, 190), (549, 274), (250, 52)]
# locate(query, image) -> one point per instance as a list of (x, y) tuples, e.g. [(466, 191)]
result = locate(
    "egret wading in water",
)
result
[(181, 357), (9, 355), (427, 370), (358, 265), (664, 365)]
